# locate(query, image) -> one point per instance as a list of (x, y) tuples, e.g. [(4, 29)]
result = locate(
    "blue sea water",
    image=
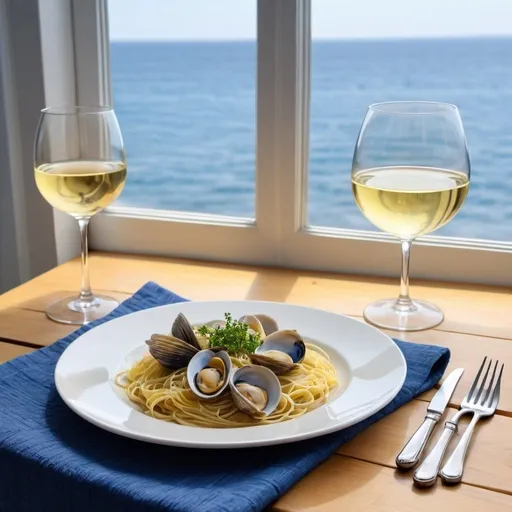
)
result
[(188, 116)]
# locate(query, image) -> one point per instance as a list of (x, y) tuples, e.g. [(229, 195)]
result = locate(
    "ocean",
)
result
[(188, 116)]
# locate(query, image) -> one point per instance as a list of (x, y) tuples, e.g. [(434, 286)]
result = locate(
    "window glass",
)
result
[(183, 79), (406, 51)]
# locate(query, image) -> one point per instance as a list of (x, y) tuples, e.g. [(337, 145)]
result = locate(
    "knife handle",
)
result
[(411, 452), (426, 474)]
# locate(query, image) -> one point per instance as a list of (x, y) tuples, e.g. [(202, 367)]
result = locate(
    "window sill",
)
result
[(469, 309)]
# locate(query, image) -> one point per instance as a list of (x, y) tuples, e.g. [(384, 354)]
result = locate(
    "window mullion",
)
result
[(91, 45), (283, 95)]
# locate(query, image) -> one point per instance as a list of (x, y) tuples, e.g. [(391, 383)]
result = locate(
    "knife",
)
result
[(411, 452)]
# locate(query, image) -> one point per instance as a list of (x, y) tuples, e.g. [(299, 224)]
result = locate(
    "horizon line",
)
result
[(319, 39)]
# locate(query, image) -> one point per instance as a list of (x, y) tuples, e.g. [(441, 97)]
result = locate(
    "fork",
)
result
[(481, 401), (483, 404)]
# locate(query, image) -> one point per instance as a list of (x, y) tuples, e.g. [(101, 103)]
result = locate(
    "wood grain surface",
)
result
[(362, 475)]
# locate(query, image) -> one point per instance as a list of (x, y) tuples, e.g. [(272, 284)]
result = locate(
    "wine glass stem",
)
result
[(404, 302), (86, 297)]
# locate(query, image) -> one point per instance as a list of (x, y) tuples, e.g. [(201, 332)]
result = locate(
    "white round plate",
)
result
[(370, 366)]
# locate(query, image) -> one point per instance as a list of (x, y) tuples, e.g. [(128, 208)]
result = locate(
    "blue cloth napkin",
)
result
[(52, 460)]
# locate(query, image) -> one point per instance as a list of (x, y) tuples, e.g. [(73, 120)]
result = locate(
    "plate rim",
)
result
[(242, 443)]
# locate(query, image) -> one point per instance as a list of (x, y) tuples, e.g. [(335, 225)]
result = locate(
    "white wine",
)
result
[(81, 188), (409, 201)]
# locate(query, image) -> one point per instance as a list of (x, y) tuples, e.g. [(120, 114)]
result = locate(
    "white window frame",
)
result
[(279, 235), (27, 245)]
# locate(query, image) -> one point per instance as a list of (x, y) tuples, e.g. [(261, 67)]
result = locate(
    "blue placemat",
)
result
[(52, 460)]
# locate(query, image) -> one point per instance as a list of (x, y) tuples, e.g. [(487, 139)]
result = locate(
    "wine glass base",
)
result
[(70, 311), (384, 314)]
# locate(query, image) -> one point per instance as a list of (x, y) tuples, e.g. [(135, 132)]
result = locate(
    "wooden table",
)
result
[(361, 475)]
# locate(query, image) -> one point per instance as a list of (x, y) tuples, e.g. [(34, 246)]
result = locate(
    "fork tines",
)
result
[(486, 395)]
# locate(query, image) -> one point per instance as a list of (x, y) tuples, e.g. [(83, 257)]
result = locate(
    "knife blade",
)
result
[(411, 452)]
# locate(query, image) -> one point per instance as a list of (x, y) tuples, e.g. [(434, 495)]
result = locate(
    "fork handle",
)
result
[(411, 452), (453, 469), (426, 474)]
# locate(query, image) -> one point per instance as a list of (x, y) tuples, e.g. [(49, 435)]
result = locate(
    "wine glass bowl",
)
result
[(80, 168), (410, 176)]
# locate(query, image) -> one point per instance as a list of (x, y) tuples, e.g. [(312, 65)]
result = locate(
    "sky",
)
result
[(156, 20)]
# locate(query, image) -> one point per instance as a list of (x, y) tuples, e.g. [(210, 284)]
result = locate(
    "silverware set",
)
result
[(481, 400)]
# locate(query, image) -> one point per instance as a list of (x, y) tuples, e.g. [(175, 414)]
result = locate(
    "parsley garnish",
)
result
[(233, 337)]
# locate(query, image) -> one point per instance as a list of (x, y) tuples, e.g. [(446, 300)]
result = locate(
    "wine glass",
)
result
[(410, 176), (80, 168)]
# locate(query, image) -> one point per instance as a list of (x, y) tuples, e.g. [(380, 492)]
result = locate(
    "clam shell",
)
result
[(253, 324), (213, 324), (287, 341), (218, 349), (257, 376), (169, 351), (268, 323), (182, 329), (278, 367), (199, 362)]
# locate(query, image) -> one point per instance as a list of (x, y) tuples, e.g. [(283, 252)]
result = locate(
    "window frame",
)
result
[(26, 223), (279, 235), (187, 235)]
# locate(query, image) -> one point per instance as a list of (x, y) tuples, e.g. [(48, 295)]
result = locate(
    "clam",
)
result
[(208, 373), (262, 324), (255, 390), (253, 324), (171, 352), (216, 324), (281, 351), (182, 329), (268, 323)]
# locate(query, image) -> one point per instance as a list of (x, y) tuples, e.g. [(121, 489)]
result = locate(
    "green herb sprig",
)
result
[(233, 337)]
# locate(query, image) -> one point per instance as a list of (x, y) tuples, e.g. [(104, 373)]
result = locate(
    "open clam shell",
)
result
[(268, 323), (182, 329), (204, 359), (171, 352), (253, 324), (257, 377), (214, 324), (281, 351)]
